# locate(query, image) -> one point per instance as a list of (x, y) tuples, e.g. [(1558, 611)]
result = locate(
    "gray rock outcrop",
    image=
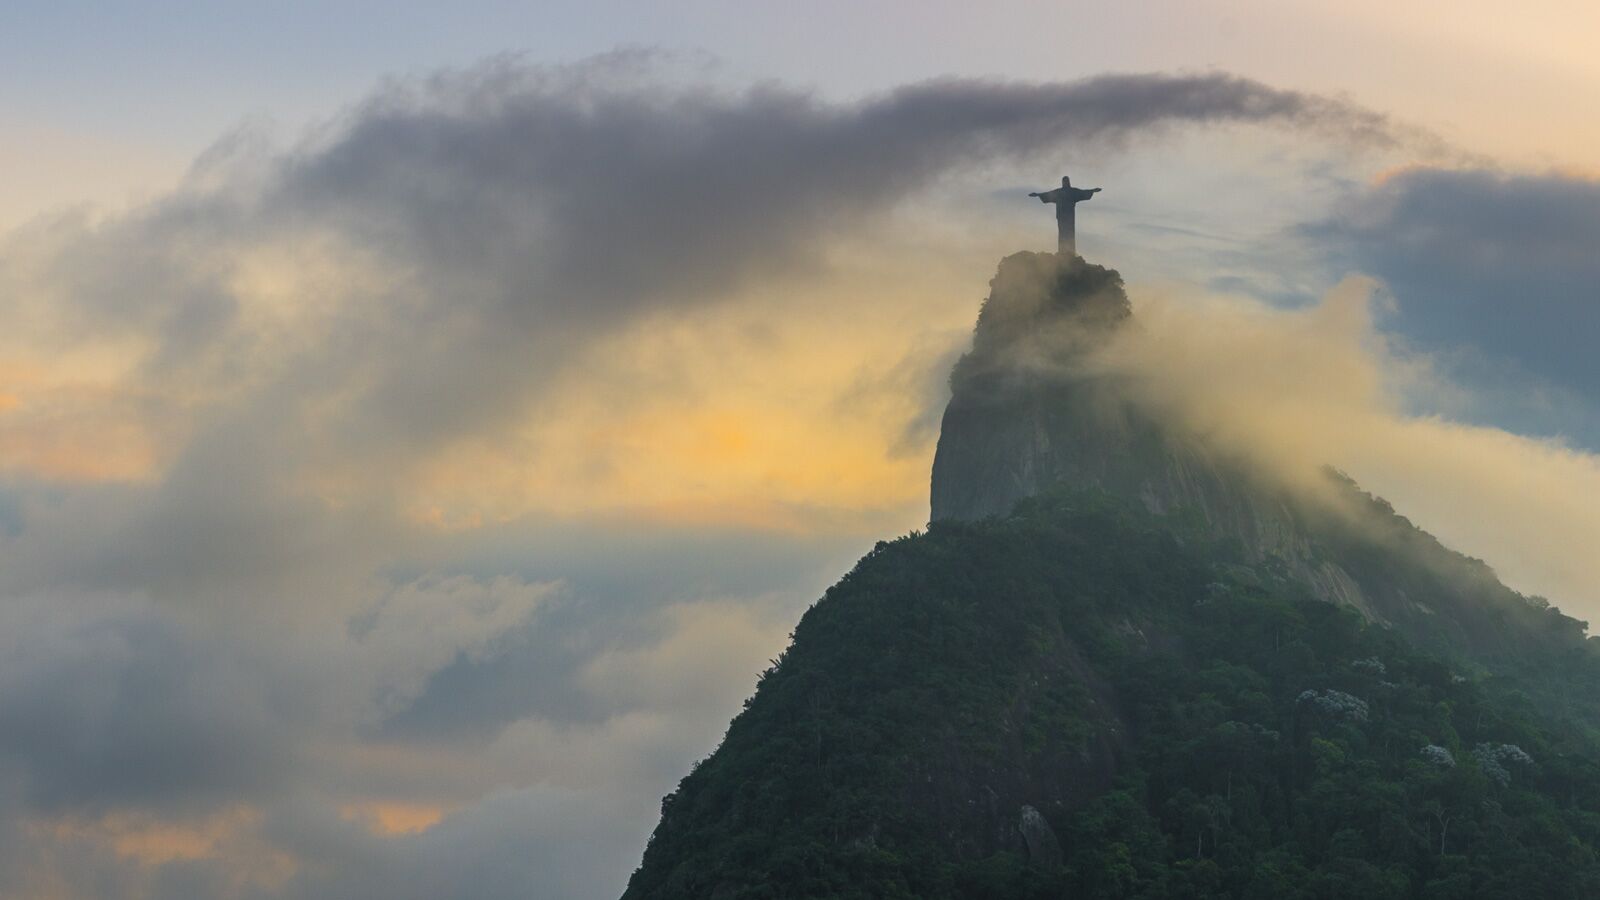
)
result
[(1044, 850)]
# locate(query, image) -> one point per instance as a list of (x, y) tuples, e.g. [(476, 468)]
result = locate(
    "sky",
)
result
[(418, 427)]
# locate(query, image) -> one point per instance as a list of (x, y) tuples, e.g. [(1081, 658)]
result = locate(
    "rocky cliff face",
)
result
[(1025, 417)]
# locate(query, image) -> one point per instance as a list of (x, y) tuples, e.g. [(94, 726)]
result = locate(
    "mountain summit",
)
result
[(1026, 416), (1122, 664)]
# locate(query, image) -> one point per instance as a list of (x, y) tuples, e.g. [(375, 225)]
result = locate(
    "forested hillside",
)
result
[(1083, 699)]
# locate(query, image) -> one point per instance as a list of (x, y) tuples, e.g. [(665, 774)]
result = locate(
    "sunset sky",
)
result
[(419, 424)]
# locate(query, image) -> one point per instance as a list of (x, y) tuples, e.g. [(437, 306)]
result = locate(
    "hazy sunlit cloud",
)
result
[(1300, 389)]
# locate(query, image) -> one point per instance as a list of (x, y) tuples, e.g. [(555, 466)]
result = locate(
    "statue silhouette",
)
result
[(1066, 198)]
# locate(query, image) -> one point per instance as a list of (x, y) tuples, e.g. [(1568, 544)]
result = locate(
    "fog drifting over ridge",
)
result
[(1293, 390), (417, 500)]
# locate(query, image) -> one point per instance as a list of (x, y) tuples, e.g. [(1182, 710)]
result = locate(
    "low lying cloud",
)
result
[(1298, 389), (106, 703)]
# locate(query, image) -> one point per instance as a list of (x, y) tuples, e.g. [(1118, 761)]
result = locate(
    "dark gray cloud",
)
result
[(611, 594), (1497, 275), (519, 210), (107, 704), (113, 704)]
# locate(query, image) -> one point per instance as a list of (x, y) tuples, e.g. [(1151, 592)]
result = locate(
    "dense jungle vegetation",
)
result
[(1185, 724)]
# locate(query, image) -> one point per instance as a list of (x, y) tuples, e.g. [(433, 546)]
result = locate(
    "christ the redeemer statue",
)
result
[(1066, 198)]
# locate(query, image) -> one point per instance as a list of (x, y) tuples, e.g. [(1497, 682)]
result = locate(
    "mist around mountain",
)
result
[(1124, 663)]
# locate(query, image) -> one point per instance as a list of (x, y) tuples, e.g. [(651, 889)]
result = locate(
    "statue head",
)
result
[(1065, 181)]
